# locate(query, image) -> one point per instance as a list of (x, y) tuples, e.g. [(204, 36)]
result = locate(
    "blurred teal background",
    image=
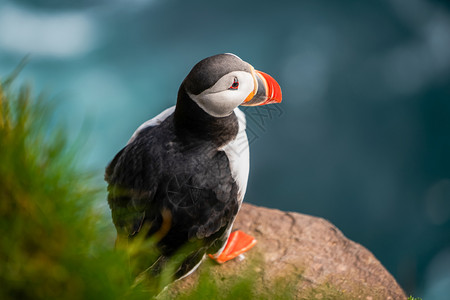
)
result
[(362, 137)]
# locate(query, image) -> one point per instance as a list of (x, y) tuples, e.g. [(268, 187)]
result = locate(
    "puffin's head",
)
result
[(220, 83)]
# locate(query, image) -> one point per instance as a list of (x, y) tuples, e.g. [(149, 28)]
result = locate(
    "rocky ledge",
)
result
[(309, 252)]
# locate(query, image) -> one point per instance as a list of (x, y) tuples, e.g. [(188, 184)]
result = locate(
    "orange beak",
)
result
[(266, 91)]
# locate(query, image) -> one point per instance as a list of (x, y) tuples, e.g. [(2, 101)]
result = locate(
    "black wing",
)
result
[(128, 196), (201, 198)]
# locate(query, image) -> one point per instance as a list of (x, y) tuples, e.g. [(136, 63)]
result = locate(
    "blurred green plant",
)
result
[(50, 243)]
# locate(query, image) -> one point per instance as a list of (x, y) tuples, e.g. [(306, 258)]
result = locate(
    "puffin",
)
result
[(181, 178)]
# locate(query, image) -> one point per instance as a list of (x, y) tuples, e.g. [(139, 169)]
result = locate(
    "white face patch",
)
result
[(219, 100)]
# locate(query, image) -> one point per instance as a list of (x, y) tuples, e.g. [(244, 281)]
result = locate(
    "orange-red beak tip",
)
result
[(274, 94)]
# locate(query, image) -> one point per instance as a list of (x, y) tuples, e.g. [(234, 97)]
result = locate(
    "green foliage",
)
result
[(208, 288), (50, 243), (245, 284), (413, 298)]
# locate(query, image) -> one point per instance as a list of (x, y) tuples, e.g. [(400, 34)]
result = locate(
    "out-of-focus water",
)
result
[(362, 137)]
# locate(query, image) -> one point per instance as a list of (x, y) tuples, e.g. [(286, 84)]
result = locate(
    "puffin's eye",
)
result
[(235, 84)]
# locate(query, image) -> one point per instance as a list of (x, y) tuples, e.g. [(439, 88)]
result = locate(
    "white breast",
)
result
[(238, 154)]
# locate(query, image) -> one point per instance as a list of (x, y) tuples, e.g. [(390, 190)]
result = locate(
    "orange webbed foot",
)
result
[(238, 243)]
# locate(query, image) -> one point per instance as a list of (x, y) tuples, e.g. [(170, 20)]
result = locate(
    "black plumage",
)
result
[(182, 176)]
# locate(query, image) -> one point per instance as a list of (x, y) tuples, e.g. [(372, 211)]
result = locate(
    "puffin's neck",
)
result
[(193, 122)]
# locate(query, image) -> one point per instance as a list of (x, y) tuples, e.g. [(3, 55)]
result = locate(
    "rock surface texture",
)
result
[(311, 252)]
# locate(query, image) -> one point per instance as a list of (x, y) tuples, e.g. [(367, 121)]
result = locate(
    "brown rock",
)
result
[(307, 251)]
